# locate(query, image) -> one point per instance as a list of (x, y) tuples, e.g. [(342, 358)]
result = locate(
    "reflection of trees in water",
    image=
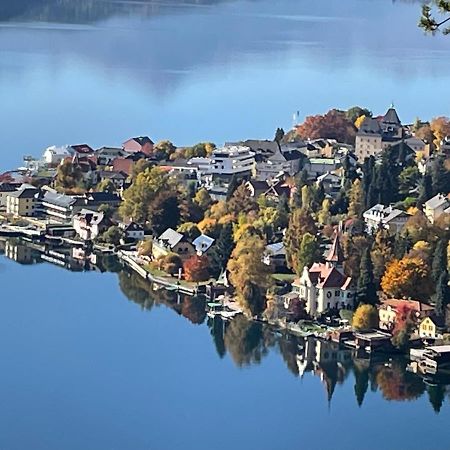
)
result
[(136, 289), (217, 329), (244, 340), (289, 345), (194, 308), (396, 383)]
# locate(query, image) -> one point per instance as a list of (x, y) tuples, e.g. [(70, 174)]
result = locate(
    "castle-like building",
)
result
[(324, 286)]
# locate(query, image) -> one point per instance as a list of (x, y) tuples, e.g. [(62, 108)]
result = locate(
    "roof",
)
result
[(329, 161), (100, 197), (439, 348), (141, 140), (276, 249), (391, 117), (326, 276), (90, 217), (369, 126), (25, 192), (113, 175), (335, 254), (415, 305), (292, 155), (202, 243), (7, 187), (170, 237), (384, 213), (437, 201), (123, 165), (57, 199), (82, 148)]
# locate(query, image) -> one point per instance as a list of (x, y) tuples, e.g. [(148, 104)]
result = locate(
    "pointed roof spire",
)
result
[(391, 116), (335, 255)]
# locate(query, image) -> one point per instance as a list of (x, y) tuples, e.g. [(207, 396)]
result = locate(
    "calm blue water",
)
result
[(83, 367), (101, 71)]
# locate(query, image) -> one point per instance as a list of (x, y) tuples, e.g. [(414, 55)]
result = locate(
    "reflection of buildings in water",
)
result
[(327, 360), (20, 253)]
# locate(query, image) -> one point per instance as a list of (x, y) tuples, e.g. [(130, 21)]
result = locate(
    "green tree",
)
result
[(163, 150), (279, 135), (366, 291), (140, 166), (221, 250), (356, 111), (203, 199), (442, 296), (190, 230), (324, 216), (439, 263), (112, 235), (308, 252), (164, 212)]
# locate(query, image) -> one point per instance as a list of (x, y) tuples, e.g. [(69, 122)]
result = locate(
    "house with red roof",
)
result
[(324, 286), (139, 144)]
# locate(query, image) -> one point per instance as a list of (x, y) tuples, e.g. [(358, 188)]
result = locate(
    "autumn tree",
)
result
[(138, 197), (164, 211), (382, 253), (112, 235), (334, 125), (196, 268), (106, 185), (249, 275), (241, 202), (324, 216), (405, 324), (439, 263), (356, 111), (440, 126), (365, 317), (190, 230), (163, 150), (170, 263), (308, 252), (69, 176), (203, 199), (407, 278), (356, 197), (300, 223)]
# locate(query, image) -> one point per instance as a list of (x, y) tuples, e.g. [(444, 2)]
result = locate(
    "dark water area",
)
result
[(100, 71), (100, 360)]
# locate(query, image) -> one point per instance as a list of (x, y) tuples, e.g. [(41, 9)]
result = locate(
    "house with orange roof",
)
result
[(324, 286)]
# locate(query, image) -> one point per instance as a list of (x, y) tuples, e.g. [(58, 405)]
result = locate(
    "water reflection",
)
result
[(249, 343)]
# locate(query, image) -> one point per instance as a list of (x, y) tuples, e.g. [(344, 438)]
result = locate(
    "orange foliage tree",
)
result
[(333, 125), (407, 277), (440, 127), (196, 268)]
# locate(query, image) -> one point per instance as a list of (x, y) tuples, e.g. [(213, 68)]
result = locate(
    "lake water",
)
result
[(99, 361), (100, 71)]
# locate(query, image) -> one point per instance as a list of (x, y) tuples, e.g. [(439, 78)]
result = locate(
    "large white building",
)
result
[(436, 206), (387, 217), (324, 286)]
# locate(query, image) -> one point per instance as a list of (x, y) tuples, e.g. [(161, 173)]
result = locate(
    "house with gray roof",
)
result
[(172, 242), (202, 244), (436, 206), (60, 207), (387, 217)]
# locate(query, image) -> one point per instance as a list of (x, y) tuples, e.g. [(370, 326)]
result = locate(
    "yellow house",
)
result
[(389, 308), (431, 327), (21, 203)]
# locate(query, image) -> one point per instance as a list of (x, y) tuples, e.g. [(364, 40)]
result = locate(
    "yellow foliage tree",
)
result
[(407, 277), (249, 275), (365, 317), (359, 121)]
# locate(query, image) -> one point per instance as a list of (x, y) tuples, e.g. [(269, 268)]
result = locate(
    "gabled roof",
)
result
[(414, 305), (100, 197), (141, 140), (276, 249), (170, 238), (90, 217), (62, 200), (437, 201), (24, 192), (326, 276), (369, 126), (7, 187)]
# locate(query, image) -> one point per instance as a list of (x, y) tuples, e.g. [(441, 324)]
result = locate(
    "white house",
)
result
[(324, 286), (54, 155), (89, 224), (436, 206), (387, 217), (202, 244), (132, 230)]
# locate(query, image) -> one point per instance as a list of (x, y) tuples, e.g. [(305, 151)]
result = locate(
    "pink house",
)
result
[(139, 144)]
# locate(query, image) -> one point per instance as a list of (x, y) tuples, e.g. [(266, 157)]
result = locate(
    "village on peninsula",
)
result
[(337, 229)]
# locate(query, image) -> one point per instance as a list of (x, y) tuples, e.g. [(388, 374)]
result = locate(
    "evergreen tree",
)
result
[(361, 383), (425, 190), (436, 394), (439, 263), (232, 186), (283, 212), (440, 177), (366, 290), (221, 250), (442, 295)]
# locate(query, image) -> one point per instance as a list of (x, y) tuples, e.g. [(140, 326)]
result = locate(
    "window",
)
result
[(328, 294), (337, 293), (328, 305)]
